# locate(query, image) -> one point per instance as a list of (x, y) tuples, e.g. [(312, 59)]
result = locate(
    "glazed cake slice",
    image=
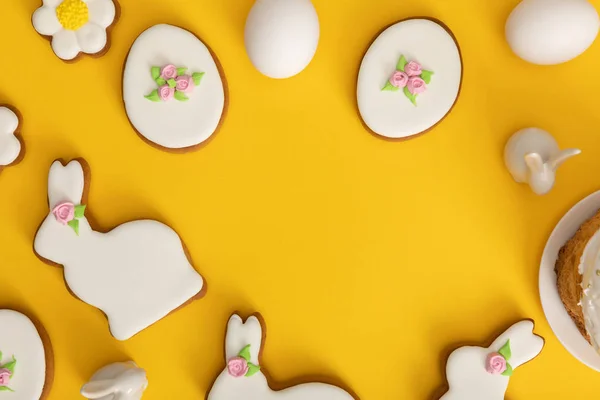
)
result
[(578, 279)]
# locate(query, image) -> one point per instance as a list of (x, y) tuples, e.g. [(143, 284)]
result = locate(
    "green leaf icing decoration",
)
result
[(505, 351), (389, 87), (197, 77), (181, 70), (401, 63), (153, 96), (10, 366), (426, 76), (155, 71), (245, 353), (411, 97), (509, 370), (172, 83), (252, 369), (74, 223), (180, 96), (160, 81), (79, 211), (5, 389)]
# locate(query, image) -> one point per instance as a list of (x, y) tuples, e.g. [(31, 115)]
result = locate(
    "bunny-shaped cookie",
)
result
[(477, 373), (136, 274), (243, 379), (10, 145), (118, 381)]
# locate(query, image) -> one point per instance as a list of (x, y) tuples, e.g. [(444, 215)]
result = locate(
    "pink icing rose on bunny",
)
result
[(185, 83), (399, 79), (413, 68), (416, 85), (166, 92), (64, 213), (168, 72), (237, 367), (4, 376), (495, 364)]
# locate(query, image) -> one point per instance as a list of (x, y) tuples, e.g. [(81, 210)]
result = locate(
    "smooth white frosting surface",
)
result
[(589, 268), (226, 387), (391, 114), (136, 274), (19, 337), (173, 124), (10, 147), (466, 372)]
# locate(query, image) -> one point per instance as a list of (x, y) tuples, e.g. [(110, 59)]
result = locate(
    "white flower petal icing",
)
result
[(172, 124), (136, 274), (91, 38), (45, 21), (65, 45), (102, 12), (391, 114), (466, 373), (19, 337), (52, 3), (10, 147), (255, 387)]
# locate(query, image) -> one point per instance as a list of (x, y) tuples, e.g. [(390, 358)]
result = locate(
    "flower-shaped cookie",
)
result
[(75, 25), (10, 147)]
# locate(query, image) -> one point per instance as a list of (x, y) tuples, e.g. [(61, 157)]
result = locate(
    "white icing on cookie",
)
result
[(391, 114), (172, 124), (256, 387), (10, 147), (136, 274), (20, 338), (589, 267), (83, 26), (466, 367)]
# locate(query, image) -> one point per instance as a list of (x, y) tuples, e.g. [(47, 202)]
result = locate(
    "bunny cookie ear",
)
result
[(98, 389), (523, 343), (241, 334), (65, 183)]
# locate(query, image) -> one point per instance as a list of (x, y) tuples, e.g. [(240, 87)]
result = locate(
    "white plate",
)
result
[(560, 322)]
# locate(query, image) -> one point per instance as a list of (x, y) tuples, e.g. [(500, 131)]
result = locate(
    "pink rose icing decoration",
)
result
[(413, 68), (168, 72), (4, 376), (166, 93), (64, 213), (237, 367), (416, 85), (495, 364), (185, 83), (399, 79)]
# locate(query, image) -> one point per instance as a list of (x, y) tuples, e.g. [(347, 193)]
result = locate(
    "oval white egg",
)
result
[(549, 32), (173, 124), (281, 36)]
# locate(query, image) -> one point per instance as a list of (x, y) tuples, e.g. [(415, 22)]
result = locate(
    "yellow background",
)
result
[(370, 260)]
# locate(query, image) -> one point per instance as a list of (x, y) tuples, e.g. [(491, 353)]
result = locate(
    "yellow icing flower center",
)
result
[(72, 14)]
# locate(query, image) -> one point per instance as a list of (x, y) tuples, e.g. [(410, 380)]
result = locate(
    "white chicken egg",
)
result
[(282, 36), (549, 32)]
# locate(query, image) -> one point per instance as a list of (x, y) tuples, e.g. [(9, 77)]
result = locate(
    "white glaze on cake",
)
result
[(466, 368), (173, 124), (589, 268), (19, 337), (256, 387), (136, 274), (390, 114), (10, 147)]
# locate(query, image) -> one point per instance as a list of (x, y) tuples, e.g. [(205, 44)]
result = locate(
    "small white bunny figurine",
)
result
[(136, 274), (477, 373), (118, 381), (532, 156), (243, 379)]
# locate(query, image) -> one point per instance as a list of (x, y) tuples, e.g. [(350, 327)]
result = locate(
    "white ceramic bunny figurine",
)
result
[(118, 381), (136, 274), (532, 156), (477, 373), (243, 379)]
